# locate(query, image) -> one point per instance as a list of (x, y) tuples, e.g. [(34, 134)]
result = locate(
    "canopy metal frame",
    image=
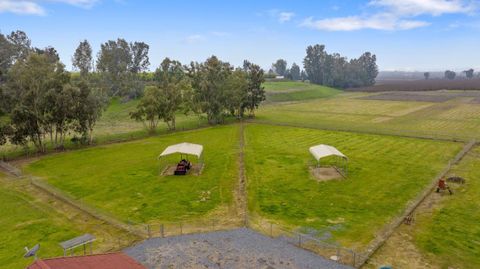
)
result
[(164, 164), (341, 165)]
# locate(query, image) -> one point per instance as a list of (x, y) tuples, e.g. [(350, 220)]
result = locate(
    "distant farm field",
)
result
[(384, 173), (124, 179), (457, 117), (422, 85), (295, 91)]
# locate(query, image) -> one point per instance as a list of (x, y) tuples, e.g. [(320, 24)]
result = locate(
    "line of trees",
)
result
[(280, 68), (213, 88), (335, 70), (43, 104), (451, 75)]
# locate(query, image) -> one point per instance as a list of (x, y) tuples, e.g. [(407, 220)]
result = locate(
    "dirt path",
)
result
[(10, 170), (413, 207), (400, 250), (242, 181)]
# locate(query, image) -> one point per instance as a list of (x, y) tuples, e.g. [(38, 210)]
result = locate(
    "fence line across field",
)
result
[(373, 130), (317, 245)]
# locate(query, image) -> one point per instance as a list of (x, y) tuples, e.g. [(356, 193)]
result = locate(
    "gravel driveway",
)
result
[(239, 248)]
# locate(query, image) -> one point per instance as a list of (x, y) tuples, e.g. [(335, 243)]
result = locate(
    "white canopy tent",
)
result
[(322, 151), (183, 148)]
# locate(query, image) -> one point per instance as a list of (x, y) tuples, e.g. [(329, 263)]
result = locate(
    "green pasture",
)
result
[(24, 222), (296, 90), (454, 119), (116, 123), (124, 179), (451, 235), (384, 173)]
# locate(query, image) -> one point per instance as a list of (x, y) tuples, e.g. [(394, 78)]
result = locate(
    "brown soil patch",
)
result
[(325, 173), (195, 170), (421, 85)]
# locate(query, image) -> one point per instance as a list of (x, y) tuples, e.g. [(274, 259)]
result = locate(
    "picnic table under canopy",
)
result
[(184, 149)]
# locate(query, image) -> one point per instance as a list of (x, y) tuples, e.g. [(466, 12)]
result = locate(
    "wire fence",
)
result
[(82, 206), (327, 249), (390, 227), (168, 229), (453, 135)]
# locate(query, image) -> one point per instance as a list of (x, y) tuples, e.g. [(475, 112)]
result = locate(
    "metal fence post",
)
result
[(148, 231), (300, 240), (354, 258), (181, 228), (162, 230)]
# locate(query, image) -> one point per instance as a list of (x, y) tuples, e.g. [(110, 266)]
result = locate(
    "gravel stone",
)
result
[(238, 248)]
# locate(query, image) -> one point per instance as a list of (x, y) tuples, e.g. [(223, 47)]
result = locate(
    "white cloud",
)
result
[(192, 39), (381, 21), (420, 7), (392, 15), (33, 7), (21, 7), (281, 16), (285, 16)]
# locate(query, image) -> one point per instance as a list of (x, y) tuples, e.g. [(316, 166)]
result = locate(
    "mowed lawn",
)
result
[(282, 91), (345, 112), (384, 173), (24, 222), (454, 119), (451, 235), (124, 179)]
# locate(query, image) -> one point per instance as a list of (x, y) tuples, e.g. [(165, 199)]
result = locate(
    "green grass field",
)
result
[(295, 91), (23, 223), (451, 236), (115, 125), (455, 119), (116, 122), (384, 173), (123, 179)]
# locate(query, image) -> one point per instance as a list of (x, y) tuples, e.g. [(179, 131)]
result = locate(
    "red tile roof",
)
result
[(100, 261)]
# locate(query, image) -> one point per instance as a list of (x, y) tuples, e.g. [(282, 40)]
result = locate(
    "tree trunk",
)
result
[(173, 123)]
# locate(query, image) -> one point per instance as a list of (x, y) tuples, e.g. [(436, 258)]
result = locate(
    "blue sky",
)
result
[(419, 35)]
